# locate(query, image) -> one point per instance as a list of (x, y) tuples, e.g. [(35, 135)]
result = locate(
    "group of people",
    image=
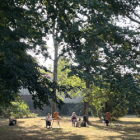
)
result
[(75, 122), (79, 123), (106, 120)]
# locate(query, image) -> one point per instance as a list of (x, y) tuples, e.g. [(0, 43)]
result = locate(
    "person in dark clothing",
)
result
[(107, 122), (84, 123), (48, 120)]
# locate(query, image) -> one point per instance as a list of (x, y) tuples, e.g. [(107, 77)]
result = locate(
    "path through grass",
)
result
[(34, 129)]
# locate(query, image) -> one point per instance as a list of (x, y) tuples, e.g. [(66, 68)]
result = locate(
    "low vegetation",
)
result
[(18, 109)]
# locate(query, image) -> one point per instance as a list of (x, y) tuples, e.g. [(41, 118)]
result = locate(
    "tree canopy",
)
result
[(87, 32), (103, 49), (21, 29)]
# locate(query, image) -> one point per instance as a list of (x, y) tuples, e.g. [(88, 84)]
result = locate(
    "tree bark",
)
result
[(86, 104), (55, 71)]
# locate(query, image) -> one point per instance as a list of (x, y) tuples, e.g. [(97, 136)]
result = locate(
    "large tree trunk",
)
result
[(86, 104), (55, 71)]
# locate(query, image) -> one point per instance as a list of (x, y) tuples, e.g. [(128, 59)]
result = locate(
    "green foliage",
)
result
[(109, 53), (101, 51), (107, 48), (21, 30), (118, 112), (18, 109), (136, 108), (102, 101), (69, 81)]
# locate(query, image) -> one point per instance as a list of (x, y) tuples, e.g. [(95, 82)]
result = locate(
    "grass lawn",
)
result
[(34, 129)]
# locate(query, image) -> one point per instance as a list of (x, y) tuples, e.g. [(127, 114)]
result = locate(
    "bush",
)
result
[(21, 110), (18, 109), (136, 108), (115, 110)]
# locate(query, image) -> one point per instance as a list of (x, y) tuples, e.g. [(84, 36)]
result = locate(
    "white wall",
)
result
[(24, 91), (75, 100)]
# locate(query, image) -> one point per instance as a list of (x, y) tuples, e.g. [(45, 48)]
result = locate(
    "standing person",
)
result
[(48, 120), (12, 119), (73, 118)]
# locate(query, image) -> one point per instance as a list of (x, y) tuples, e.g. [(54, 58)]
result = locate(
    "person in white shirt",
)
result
[(73, 118), (12, 119), (48, 120)]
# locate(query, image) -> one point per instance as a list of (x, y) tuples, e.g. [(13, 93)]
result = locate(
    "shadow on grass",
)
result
[(35, 132), (129, 130)]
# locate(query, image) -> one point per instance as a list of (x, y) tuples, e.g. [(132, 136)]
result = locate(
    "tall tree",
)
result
[(57, 18), (107, 49), (22, 29), (22, 21), (55, 71)]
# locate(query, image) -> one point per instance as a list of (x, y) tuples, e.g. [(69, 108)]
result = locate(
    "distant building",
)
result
[(26, 96)]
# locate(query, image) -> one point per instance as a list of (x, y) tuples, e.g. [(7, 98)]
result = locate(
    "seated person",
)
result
[(73, 118), (107, 118), (48, 120), (84, 123), (12, 119)]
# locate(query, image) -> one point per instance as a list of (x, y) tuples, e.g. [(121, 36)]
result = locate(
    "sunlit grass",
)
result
[(34, 128)]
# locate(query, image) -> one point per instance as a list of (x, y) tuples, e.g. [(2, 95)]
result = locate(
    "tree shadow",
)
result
[(36, 132), (127, 130), (127, 122)]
